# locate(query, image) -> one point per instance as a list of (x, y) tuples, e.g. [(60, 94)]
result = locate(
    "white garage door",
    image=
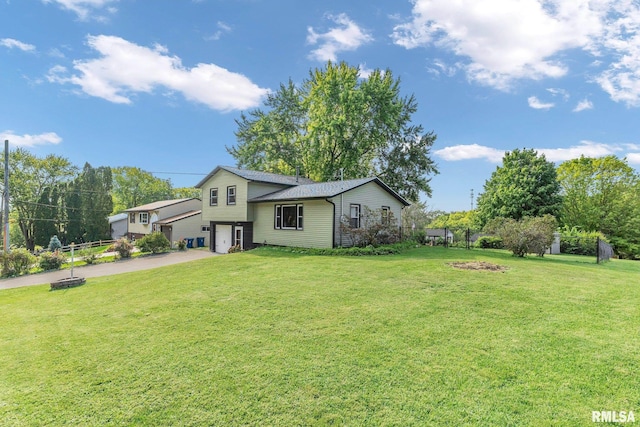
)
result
[(223, 238)]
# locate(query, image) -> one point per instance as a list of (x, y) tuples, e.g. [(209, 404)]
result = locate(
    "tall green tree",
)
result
[(525, 185), (186, 193), (601, 194), (96, 201), (49, 216), (31, 177), (133, 186), (336, 124)]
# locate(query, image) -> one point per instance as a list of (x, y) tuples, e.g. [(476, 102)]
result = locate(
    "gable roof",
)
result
[(179, 217), (257, 176), (158, 205), (323, 190)]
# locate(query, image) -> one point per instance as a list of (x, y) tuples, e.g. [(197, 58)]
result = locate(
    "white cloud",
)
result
[(364, 71), (468, 152), (16, 44), (125, 69), (29, 140), (586, 148), (83, 8), (535, 103), (633, 158), (559, 92), (223, 29), (475, 151), (585, 104), (347, 36), (505, 41)]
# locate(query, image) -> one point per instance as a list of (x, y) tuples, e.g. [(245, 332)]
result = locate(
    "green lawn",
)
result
[(273, 338)]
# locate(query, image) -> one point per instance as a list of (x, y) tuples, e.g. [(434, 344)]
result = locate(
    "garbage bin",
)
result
[(200, 241), (189, 242)]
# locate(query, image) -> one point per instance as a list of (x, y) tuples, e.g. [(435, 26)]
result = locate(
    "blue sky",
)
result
[(158, 84)]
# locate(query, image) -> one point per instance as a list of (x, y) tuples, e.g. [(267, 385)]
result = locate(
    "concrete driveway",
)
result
[(146, 262)]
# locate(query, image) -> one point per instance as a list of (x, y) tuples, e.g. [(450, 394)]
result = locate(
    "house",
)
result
[(118, 225), (247, 208), (433, 234), (177, 219)]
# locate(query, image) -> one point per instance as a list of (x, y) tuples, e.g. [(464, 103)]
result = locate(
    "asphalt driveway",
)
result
[(146, 262)]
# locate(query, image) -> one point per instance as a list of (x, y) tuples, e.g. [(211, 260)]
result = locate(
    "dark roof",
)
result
[(158, 205), (179, 217), (323, 190), (258, 176)]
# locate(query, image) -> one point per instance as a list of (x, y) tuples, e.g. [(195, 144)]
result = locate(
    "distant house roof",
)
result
[(179, 217), (258, 176), (157, 205), (322, 190), (117, 217), (437, 232)]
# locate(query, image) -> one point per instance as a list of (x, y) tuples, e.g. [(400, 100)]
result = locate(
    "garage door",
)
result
[(223, 238)]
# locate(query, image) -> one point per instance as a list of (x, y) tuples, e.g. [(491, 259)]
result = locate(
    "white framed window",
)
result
[(386, 211), (213, 197), (354, 217), (144, 218), (288, 217), (132, 218), (231, 195), (205, 228)]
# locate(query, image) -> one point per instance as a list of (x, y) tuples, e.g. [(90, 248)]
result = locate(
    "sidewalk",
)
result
[(146, 262)]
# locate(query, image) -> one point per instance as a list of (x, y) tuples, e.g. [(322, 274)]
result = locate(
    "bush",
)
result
[(419, 237), (88, 256), (234, 249), (123, 247), (489, 242), (51, 260), (576, 242), (181, 245), (377, 227), (54, 244), (528, 235), (16, 263), (155, 243)]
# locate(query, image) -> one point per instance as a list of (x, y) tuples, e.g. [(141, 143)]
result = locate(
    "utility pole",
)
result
[(6, 198)]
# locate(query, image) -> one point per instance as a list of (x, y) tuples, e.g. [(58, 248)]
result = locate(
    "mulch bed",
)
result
[(477, 266)]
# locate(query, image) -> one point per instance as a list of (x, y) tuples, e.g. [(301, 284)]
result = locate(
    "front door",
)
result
[(237, 241)]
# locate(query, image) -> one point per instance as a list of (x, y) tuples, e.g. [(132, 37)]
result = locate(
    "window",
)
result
[(231, 195), (205, 229), (355, 216), (144, 218), (213, 197), (132, 218), (288, 217), (386, 210)]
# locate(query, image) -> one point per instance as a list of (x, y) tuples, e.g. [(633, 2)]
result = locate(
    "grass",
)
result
[(273, 338)]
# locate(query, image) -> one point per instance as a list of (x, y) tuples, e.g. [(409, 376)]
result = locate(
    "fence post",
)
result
[(598, 250)]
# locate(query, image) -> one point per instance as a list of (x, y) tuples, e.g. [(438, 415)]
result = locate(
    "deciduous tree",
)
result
[(133, 186), (525, 185), (30, 178), (336, 124)]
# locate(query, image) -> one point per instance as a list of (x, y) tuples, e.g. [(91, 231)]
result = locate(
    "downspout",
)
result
[(333, 227)]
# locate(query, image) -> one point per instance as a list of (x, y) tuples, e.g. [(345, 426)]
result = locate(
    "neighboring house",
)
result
[(179, 218), (247, 208), (118, 225), (433, 234)]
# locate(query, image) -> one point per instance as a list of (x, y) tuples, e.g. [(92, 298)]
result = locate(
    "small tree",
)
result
[(54, 243), (155, 242)]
